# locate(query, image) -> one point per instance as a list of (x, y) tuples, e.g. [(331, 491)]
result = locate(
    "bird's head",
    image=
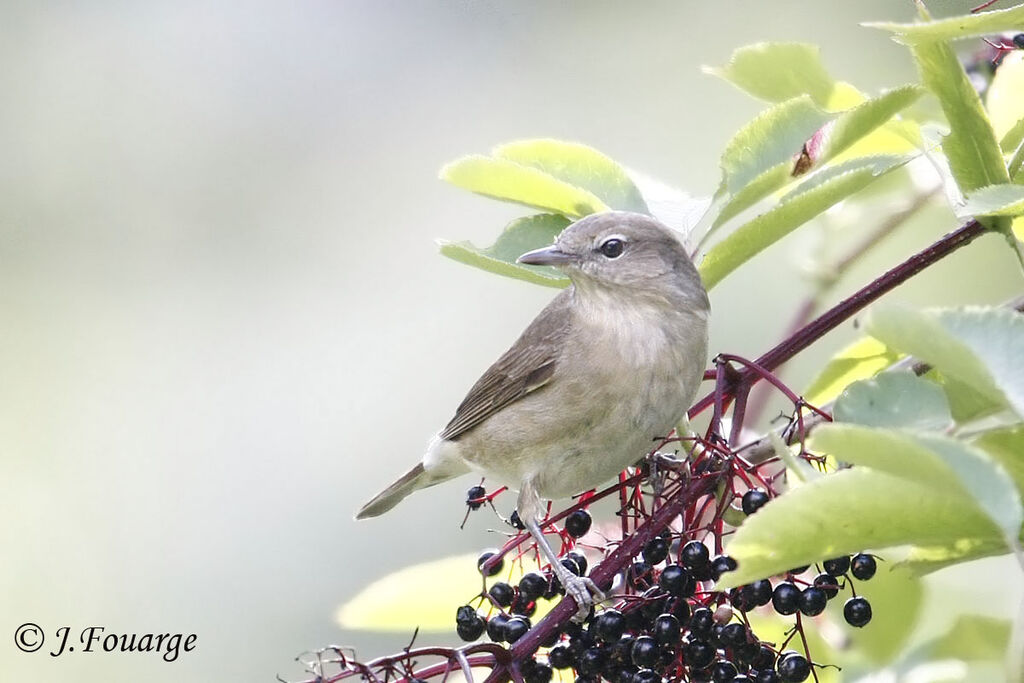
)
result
[(625, 254)]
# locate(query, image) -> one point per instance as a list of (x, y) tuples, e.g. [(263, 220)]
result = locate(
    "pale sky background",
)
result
[(225, 321)]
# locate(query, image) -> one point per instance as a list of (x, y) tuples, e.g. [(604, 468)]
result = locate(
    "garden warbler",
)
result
[(610, 365)]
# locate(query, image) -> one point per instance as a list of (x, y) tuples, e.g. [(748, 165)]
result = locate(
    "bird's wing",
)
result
[(525, 367)]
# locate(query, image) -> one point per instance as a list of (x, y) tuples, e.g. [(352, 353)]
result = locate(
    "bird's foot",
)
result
[(658, 463), (584, 591)]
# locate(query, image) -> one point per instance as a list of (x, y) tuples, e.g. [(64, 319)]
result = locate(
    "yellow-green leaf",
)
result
[(780, 71), (509, 181), (957, 27), (815, 195), (520, 236), (862, 359), (398, 602)]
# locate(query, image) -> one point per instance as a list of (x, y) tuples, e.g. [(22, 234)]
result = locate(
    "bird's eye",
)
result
[(612, 248)]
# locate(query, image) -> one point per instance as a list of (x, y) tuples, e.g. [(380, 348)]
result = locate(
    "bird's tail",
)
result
[(394, 494), (414, 479)]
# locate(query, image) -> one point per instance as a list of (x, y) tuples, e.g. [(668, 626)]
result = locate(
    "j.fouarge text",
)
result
[(96, 639)]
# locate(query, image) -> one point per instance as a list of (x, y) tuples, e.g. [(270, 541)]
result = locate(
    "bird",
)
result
[(610, 365)]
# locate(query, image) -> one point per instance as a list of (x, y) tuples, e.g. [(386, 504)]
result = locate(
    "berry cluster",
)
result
[(673, 625), (789, 598)]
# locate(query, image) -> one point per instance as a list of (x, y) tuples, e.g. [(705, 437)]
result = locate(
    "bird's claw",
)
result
[(585, 592), (657, 462)]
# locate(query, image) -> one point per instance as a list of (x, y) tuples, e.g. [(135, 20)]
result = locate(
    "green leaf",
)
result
[(1006, 446), (509, 181), (894, 399), (854, 124), (891, 591), (397, 601), (580, 166), (827, 143), (808, 200), (925, 559), (994, 200), (864, 358), (847, 512), (971, 146), (949, 466), (520, 236), (955, 28), (965, 403), (981, 347), (775, 135), (780, 71), (1013, 137), (768, 181)]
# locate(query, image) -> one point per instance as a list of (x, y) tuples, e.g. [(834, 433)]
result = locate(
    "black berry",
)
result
[(794, 668), (722, 564), (590, 661), (578, 523), (645, 652), (656, 550), (766, 676), (863, 566), (786, 598), (681, 608), (516, 628), (532, 586), (764, 659), (698, 654), (580, 559), (495, 569), (827, 583), (473, 496), (677, 581), (610, 625), (753, 500), (572, 565), (857, 612), (723, 672), (496, 627), (837, 566), (761, 592), (666, 629), (798, 570), (502, 594), (701, 623), (560, 657), (1018, 41), (734, 635), (535, 672), (694, 554), (741, 598), (469, 624), (813, 601), (516, 521)]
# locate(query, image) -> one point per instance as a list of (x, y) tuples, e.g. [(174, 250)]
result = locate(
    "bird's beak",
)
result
[(547, 256)]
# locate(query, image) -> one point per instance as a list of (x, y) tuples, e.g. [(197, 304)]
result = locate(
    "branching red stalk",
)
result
[(606, 570)]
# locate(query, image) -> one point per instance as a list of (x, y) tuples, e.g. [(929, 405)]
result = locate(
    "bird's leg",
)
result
[(579, 588)]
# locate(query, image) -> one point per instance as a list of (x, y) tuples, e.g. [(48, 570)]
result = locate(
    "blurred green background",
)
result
[(225, 323)]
